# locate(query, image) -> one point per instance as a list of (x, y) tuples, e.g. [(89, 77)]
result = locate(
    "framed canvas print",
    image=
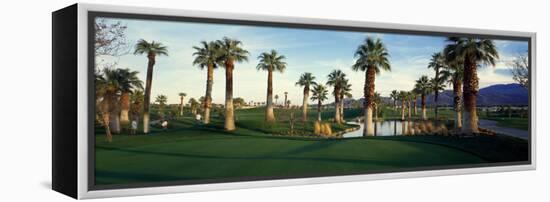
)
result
[(150, 101)]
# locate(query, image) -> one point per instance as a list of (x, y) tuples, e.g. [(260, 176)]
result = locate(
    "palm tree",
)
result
[(393, 96), (285, 103), (276, 98), (415, 99), (194, 104), (319, 93), (161, 100), (456, 69), (230, 51), (137, 104), (152, 50), (377, 101), (128, 81), (345, 92), (207, 56), (182, 96), (403, 98), (372, 56), (424, 88), (306, 80), (410, 96), (474, 52), (437, 62), (337, 79), (437, 85), (106, 90), (270, 61)]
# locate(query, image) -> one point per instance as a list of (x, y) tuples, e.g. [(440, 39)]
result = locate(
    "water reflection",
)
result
[(398, 127)]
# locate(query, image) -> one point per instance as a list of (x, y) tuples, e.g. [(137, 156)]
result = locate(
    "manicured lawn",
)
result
[(190, 151)]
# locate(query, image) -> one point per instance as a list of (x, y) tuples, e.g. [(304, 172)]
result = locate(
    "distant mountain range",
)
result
[(499, 94)]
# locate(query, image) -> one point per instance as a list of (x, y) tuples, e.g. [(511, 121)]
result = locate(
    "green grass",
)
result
[(190, 151)]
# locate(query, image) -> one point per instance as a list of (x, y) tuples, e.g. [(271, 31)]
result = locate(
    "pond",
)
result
[(399, 127)]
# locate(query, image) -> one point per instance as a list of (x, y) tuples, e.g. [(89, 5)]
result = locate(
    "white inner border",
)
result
[(82, 94)]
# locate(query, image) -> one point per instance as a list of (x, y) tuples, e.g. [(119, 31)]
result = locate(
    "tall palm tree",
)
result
[(475, 52), (319, 93), (393, 96), (152, 50), (410, 96), (337, 79), (424, 88), (285, 103), (128, 81), (403, 98), (437, 62), (415, 100), (456, 69), (276, 98), (377, 101), (161, 100), (372, 56), (182, 96), (437, 85), (270, 61), (230, 51), (345, 92), (306, 80), (207, 56)]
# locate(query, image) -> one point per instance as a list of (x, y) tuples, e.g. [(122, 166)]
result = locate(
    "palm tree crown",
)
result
[(336, 78), (423, 85), (231, 50), (271, 61), (373, 54), (478, 51), (152, 49), (319, 93), (207, 54), (306, 80)]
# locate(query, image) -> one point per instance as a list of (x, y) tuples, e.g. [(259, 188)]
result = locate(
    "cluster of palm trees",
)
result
[(457, 65), (119, 92)]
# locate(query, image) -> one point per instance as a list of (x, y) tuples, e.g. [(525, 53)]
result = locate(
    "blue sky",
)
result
[(315, 51)]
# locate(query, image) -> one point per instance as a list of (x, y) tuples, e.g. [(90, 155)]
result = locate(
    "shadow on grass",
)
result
[(265, 157)]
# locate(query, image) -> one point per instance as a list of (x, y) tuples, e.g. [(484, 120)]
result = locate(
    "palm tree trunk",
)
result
[(375, 113), (208, 96), (415, 100), (368, 103), (147, 94), (457, 91), (423, 103), (402, 109), (337, 118), (181, 105), (269, 115), (105, 109), (115, 121), (319, 110), (124, 109), (394, 104), (470, 93), (304, 103), (342, 108), (409, 108), (229, 113), (436, 94)]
